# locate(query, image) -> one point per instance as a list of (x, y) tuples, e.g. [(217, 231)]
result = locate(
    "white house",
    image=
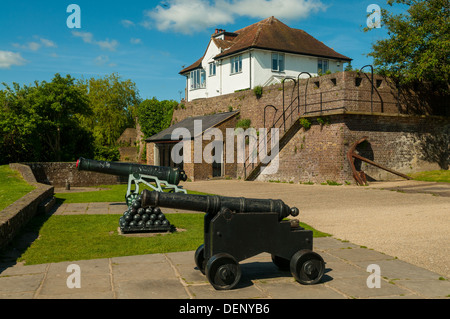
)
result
[(260, 54)]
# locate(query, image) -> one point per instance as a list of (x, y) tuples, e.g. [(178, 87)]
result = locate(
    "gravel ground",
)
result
[(407, 223)]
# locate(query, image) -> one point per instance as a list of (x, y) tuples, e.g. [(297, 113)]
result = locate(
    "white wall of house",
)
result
[(256, 70), (233, 81), (294, 65)]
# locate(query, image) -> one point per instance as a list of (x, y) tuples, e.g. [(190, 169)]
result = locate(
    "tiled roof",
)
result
[(208, 121), (272, 34)]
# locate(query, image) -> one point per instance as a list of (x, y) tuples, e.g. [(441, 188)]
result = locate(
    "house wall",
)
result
[(256, 70), (232, 82), (294, 64)]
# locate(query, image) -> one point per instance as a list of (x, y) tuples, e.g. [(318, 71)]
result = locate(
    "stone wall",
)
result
[(406, 144), (347, 91), (57, 173)]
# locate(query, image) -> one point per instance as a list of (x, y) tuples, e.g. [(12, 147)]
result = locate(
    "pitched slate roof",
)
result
[(208, 121), (272, 34)]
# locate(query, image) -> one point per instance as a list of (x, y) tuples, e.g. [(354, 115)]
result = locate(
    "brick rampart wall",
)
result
[(398, 134)]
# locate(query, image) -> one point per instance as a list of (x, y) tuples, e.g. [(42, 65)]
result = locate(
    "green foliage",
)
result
[(323, 120), (64, 119), (305, 123), (244, 124), (106, 153), (155, 116), (39, 123), (418, 48), (258, 90), (113, 102)]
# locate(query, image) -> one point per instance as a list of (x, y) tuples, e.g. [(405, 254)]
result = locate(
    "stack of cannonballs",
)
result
[(139, 219)]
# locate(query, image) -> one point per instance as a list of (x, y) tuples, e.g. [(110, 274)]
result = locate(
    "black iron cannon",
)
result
[(239, 228), (156, 177)]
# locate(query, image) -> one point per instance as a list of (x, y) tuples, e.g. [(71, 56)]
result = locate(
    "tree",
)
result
[(418, 48), (155, 116), (114, 103), (18, 123), (39, 123), (56, 105)]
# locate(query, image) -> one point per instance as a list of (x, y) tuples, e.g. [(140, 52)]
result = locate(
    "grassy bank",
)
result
[(442, 176), (12, 186)]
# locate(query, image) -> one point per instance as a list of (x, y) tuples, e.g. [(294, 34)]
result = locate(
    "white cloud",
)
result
[(281, 9), (135, 41), (8, 59), (127, 23), (108, 45), (189, 16), (102, 60), (48, 43), (34, 46), (88, 37)]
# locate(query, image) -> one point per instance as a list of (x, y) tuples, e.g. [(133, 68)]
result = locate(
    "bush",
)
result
[(244, 124), (258, 90), (305, 123), (106, 153)]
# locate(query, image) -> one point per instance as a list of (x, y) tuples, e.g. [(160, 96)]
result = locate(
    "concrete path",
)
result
[(174, 276), (406, 235)]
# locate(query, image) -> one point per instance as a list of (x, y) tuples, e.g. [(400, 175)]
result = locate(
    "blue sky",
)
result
[(150, 41)]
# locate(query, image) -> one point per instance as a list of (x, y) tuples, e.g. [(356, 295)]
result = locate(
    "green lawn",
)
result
[(433, 176), (12, 186), (81, 237)]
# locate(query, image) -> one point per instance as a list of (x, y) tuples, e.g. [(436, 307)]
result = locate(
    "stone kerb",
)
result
[(13, 217)]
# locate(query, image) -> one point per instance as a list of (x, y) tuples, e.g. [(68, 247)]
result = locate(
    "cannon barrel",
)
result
[(213, 204), (168, 174)]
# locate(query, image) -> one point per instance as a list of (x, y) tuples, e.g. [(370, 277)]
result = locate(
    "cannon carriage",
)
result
[(238, 228)]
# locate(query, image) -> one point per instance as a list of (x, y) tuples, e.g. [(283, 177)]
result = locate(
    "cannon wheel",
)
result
[(307, 267), (223, 271), (200, 258)]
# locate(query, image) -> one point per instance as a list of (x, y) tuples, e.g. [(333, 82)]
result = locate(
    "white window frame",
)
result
[(236, 64), (198, 79), (280, 62), (212, 69), (321, 63)]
